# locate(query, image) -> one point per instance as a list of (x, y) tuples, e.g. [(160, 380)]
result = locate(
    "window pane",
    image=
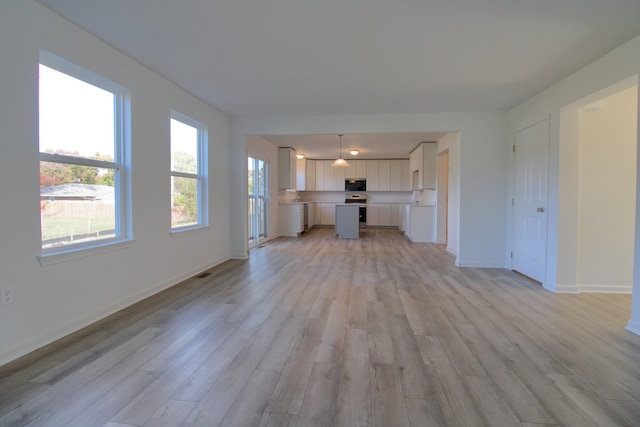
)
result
[(184, 201), (76, 118), (77, 204), (184, 147)]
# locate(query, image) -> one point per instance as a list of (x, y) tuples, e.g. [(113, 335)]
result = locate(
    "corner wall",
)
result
[(607, 193), (54, 300)]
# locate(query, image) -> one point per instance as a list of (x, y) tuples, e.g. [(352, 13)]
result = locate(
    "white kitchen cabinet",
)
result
[(356, 169), (395, 175), (372, 215), (320, 176), (379, 214), (301, 174), (384, 215), (290, 219), (328, 175), (286, 167), (372, 175), (384, 175), (429, 165), (310, 175), (350, 171), (361, 168), (415, 159), (324, 213), (406, 176), (420, 223), (338, 178), (395, 215), (381, 175), (327, 214), (305, 175), (423, 166)]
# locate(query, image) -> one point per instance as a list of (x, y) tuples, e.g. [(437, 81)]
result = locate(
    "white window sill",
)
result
[(188, 230), (70, 254)]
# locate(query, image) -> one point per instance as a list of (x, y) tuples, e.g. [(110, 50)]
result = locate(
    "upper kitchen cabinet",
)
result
[(372, 175), (356, 169), (430, 162), (422, 163), (305, 175), (286, 168), (381, 175)]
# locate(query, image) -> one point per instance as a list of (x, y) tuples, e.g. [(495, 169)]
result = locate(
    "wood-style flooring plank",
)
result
[(249, 406), (425, 413), (354, 395), (170, 414), (213, 406), (389, 407), (321, 396)]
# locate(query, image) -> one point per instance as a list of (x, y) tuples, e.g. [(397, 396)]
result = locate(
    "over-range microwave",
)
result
[(355, 184)]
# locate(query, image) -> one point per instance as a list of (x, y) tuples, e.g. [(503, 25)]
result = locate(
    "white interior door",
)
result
[(530, 200)]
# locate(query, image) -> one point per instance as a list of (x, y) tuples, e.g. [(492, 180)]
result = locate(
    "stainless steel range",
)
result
[(359, 198)]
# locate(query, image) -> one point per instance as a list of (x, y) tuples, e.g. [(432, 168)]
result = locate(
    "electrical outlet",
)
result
[(5, 296)]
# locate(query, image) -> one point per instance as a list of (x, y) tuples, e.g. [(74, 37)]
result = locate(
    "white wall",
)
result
[(482, 171), (555, 103), (53, 300), (607, 193)]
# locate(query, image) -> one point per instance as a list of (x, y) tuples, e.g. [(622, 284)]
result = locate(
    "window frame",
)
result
[(202, 215), (120, 163)]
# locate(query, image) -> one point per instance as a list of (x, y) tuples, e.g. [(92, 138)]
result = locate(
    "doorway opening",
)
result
[(597, 191), (258, 200), (442, 232)]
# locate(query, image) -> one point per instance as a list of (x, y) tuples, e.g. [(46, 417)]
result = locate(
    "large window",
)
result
[(188, 183), (258, 194), (82, 157)]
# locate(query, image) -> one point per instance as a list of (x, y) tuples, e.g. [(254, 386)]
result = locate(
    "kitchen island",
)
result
[(347, 221)]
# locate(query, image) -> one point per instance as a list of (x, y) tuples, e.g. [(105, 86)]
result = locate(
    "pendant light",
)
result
[(340, 162)]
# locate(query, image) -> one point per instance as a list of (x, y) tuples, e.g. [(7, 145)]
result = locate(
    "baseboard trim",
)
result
[(633, 327), (69, 328), (566, 289), (479, 264), (605, 289)]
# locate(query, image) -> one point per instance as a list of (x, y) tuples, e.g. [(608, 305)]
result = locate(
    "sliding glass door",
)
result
[(258, 194)]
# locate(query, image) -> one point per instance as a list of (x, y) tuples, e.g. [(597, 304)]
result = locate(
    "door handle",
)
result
[(540, 209)]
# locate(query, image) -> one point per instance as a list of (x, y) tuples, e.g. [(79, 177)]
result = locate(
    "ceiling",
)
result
[(304, 57)]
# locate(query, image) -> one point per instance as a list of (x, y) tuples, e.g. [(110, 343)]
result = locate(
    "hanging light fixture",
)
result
[(340, 162), (354, 152)]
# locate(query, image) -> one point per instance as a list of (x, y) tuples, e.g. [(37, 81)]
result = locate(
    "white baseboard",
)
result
[(239, 255), (565, 289), (479, 264), (606, 289), (634, 327), (68, 328)]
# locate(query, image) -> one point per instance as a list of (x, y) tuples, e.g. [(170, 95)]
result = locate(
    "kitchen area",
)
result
[(397, 192)]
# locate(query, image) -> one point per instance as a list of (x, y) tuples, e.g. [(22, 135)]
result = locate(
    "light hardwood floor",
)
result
[(317, 331)]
